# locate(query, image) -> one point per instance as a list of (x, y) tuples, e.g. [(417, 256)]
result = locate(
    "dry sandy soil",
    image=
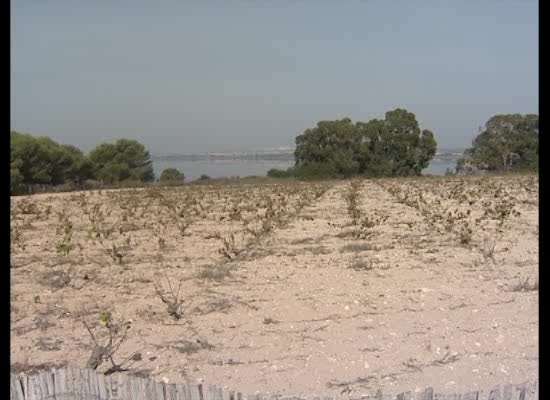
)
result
[(414, 294)]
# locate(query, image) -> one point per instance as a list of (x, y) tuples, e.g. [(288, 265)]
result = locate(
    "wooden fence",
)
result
[(86, 384)]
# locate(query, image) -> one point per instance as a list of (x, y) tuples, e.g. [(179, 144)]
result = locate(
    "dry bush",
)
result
[(523, 285), (115, 333), (214, 272), (57, 278), (360, 264), (229, 249), (170, 296), (356, 247), (488, 248)]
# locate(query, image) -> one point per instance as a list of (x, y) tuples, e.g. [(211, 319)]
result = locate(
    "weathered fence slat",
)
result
[(495, 393), (184, 392), (123, 388), (141, 387), (80, 384), (150, 389), (188, 391), (209, 392), (16, 388), (471, 396), (219, 393), (161, 390), (87, 384), (71, 384), (195, 392), (404, 396), (94, 383), (36, 388), (521, 392), (428, 394), (50, 382), (507, 392), (108, 387), (60, 384), (25, 385), (27, 388), (170, 392), (101, 387), (134, 384)]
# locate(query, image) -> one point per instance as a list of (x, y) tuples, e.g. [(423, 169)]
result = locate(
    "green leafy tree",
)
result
[(31, 158), (399, 148), (77, 167), (394, 146), (122, 160), (172, 175), (40, 160), (330, 144), (16, 178), (508, 142)]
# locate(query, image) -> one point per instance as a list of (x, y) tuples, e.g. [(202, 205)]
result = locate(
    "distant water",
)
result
[(440, 166), (220, 168), (217, 166)]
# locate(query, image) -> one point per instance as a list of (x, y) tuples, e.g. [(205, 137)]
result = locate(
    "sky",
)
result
[(198, 76)]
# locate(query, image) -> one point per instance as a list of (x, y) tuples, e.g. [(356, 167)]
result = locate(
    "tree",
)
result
[(122, 160), (30, 157), (330, 144), (394, 146), (400, 147), (16, 178), (172, 175), (78, 168), (40, 160), (508, 142)]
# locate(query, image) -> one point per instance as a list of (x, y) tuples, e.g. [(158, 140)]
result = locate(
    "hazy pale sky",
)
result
[(190, 76)]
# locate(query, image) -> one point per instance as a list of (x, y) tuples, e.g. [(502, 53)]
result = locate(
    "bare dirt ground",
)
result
[(337, 287)]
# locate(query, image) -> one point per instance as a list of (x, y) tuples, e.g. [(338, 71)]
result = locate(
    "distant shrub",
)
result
[(204, 177), (279, 173), (314, 171), (172, 175), (306, 171)]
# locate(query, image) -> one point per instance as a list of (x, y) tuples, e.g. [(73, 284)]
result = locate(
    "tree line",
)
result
[(43, 161), (396, 146), (393, 146)]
